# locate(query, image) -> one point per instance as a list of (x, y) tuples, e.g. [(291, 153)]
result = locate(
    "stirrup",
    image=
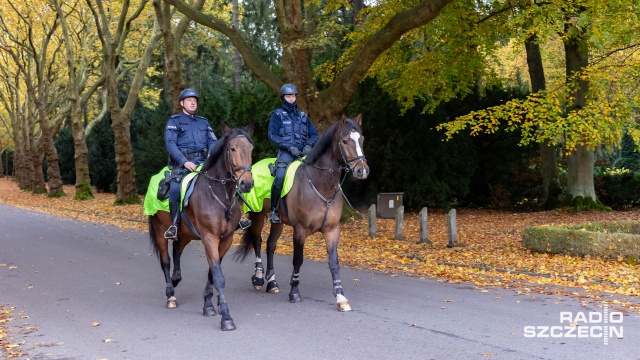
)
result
[(171, 233), (243, 224), (274, 218)]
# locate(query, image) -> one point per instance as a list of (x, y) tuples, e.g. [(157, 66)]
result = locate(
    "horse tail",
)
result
[(245, 247), (152, 238)]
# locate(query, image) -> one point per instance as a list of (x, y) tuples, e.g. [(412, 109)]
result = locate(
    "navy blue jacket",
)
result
[(290, 127), (185, 135)]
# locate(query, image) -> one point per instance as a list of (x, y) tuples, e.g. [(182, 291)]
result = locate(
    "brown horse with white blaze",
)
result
[(215, 212), (314, 204)]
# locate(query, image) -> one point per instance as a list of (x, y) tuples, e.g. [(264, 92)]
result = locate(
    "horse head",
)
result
[(350, 142), (238, 155)]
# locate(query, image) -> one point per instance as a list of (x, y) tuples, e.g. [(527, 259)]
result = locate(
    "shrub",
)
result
[(612, 240)]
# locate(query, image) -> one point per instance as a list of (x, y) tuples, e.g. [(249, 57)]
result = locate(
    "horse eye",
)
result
[(344, 141)]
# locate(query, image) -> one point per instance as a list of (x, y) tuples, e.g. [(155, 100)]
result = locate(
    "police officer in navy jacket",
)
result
[(292, 132), (188, 138)]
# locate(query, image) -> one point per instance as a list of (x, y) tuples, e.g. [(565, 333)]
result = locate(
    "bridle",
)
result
[(231, 169), (348, 162), (346, 166)]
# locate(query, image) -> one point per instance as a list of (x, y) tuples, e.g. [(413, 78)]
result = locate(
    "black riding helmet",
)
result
[(188, 93), (287, 89)]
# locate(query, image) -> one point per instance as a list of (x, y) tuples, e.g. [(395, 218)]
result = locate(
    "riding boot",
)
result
[(274, 217), (174, 210)]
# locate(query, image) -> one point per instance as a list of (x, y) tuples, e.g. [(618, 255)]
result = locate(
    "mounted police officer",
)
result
[(292, 132), (188, 138)]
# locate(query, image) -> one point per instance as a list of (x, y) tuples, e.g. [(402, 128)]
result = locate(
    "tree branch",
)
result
[(251, 60)]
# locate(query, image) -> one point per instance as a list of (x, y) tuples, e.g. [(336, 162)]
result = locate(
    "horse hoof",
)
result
[(172, 303), (175, 282), (272, 287), (257, 282), (294, 298), (209, 311), (227, 325), (344, 306)]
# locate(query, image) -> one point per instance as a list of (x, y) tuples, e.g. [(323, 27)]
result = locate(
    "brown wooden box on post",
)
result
[(388, 204)]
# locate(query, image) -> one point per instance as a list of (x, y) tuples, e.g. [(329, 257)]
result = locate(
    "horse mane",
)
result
[(326, 139), (221, 145)]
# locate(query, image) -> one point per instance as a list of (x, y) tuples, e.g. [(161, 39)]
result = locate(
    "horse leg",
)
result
[(178, 247), (165, 264), (298, 258), (208, 309), (217, 279), (331, 238), (255, 232), (274, 235)]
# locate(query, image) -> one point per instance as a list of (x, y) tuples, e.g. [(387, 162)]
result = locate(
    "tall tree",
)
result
[(299, 29), (83, 181), (172, 37), (113, 44)]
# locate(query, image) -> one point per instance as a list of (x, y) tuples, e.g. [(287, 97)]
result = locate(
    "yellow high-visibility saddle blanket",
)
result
[(262, 181), (151, 203)]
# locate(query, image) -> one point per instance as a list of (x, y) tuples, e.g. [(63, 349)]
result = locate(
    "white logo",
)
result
[(581, 324)]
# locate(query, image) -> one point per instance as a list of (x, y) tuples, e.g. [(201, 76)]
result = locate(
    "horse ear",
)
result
[(358, 119), (225, 129), (249, 128), (344, 120)]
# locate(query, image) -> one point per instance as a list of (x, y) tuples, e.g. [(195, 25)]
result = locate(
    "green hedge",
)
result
[(612, 240)]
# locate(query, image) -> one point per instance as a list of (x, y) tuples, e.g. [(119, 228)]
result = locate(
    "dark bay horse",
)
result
[(214, 212), (313, 204)]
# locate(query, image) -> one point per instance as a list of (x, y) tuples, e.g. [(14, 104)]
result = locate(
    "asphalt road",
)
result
[(63, 275)]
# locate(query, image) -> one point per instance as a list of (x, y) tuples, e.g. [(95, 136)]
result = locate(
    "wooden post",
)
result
[(399, 223), (452, 229), (372, 221), (424, 227)]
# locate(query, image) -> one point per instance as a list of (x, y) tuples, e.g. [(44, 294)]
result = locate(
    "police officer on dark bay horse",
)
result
[(188, 139), (292, 132)]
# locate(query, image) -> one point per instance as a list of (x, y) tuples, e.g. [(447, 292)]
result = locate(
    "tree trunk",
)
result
[(172, 40), (120, 124), (580, 166), (81, 153), (548, 161), (358, 5), (34, 160), (171, 54), (237, 62), (296, 58), (54, 180), (21, 157), (581, 162)]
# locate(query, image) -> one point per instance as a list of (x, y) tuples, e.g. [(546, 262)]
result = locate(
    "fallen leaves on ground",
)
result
[(491, 256)]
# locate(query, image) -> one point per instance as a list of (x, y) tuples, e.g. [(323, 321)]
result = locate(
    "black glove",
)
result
[(294, 151), (306, 150)]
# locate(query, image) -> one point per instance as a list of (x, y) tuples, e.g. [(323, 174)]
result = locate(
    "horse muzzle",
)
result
[(245, 185), (361, 171)]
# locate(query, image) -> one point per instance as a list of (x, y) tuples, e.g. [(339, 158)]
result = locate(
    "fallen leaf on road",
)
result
[(95, 323)]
